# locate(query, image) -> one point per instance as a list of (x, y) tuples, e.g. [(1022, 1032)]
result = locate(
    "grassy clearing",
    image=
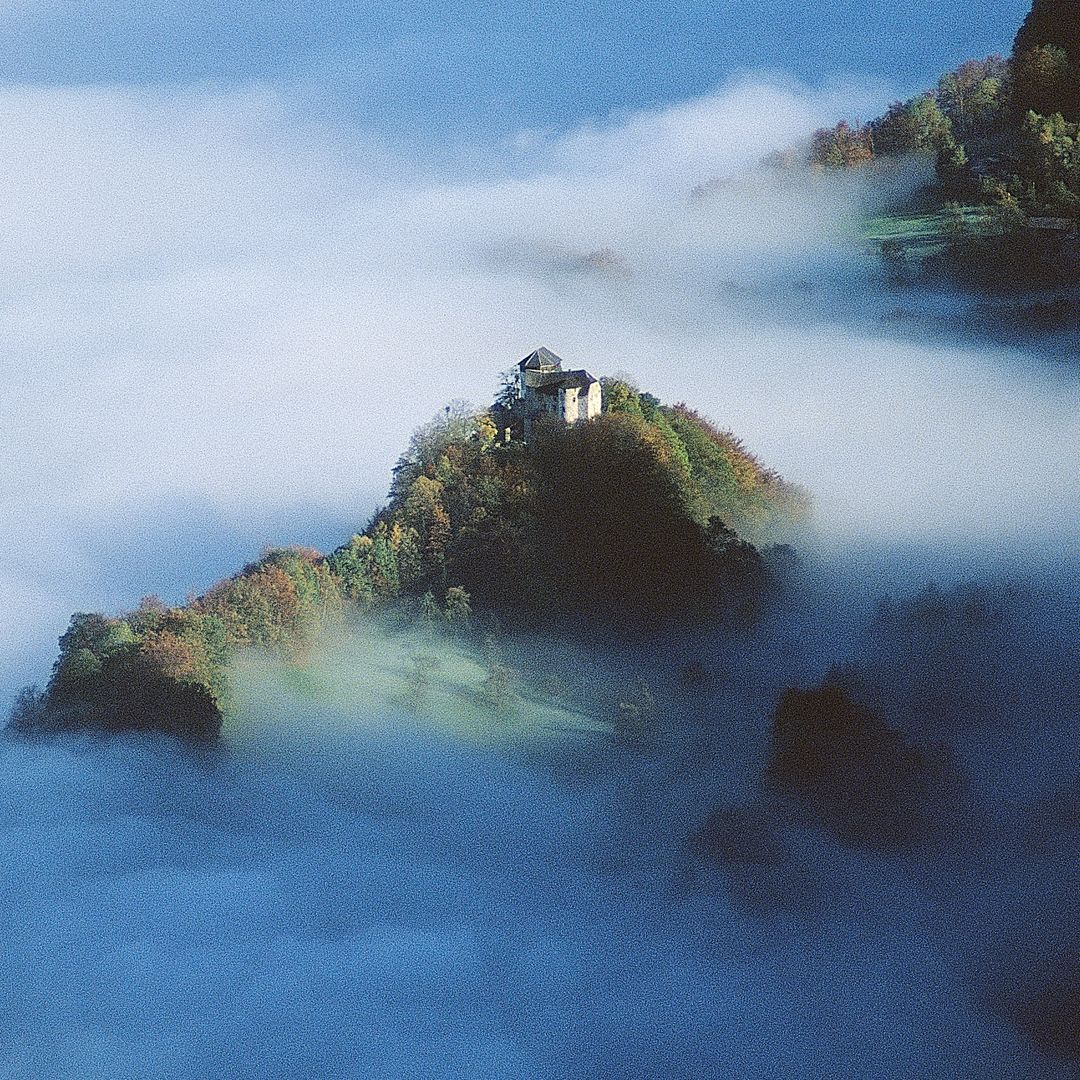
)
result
[(922, 233), (373, 676)]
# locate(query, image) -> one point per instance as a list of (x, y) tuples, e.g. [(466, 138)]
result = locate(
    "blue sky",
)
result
[(457, 66)]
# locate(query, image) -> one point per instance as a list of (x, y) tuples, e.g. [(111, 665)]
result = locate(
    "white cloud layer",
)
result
[(219, 312)]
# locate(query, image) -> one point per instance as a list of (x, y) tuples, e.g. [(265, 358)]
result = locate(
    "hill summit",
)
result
[(622, 514)]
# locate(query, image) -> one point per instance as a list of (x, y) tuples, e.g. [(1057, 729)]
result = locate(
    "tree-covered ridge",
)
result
[(578, 520), (725, 480), (166, 668), (731, 483), (1004, 133), (626, 522)]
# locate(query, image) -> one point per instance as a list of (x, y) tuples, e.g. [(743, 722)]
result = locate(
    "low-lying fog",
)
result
[(349, 889), (221, 322)]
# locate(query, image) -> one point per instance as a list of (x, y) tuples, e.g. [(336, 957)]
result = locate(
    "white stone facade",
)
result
[(547, 392)]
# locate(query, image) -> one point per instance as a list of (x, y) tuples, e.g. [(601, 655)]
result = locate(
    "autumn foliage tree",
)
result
[(844, 146), (165, 669), (112, 677)]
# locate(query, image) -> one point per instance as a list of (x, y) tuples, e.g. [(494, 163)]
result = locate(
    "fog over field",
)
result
[(222, 318)]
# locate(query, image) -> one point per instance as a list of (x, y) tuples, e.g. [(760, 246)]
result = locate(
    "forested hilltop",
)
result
[(1004, 135), (645, 516)]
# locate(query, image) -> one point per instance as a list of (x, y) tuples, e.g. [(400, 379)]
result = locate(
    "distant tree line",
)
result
[(1004, 131)]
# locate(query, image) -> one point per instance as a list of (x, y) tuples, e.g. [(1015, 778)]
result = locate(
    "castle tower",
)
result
[(547, 392)]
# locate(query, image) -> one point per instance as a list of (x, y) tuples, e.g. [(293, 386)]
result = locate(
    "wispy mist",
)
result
[(346, 890)]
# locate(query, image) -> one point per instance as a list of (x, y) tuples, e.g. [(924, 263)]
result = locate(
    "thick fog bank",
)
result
[(223, 317), (235, 351), (393, 906), (352, 887)]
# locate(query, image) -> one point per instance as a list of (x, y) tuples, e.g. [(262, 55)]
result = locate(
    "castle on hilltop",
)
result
[(546, 392)]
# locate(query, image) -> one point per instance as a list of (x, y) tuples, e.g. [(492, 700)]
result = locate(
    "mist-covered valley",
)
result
[(376, 877), (391, 866)]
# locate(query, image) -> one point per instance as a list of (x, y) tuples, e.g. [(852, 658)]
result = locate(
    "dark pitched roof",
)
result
[(541, 360), (580, 378), (544, 380), (547, 382)]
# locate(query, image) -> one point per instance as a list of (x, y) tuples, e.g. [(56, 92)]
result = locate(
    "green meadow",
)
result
[(922, 233), (377, 676)]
